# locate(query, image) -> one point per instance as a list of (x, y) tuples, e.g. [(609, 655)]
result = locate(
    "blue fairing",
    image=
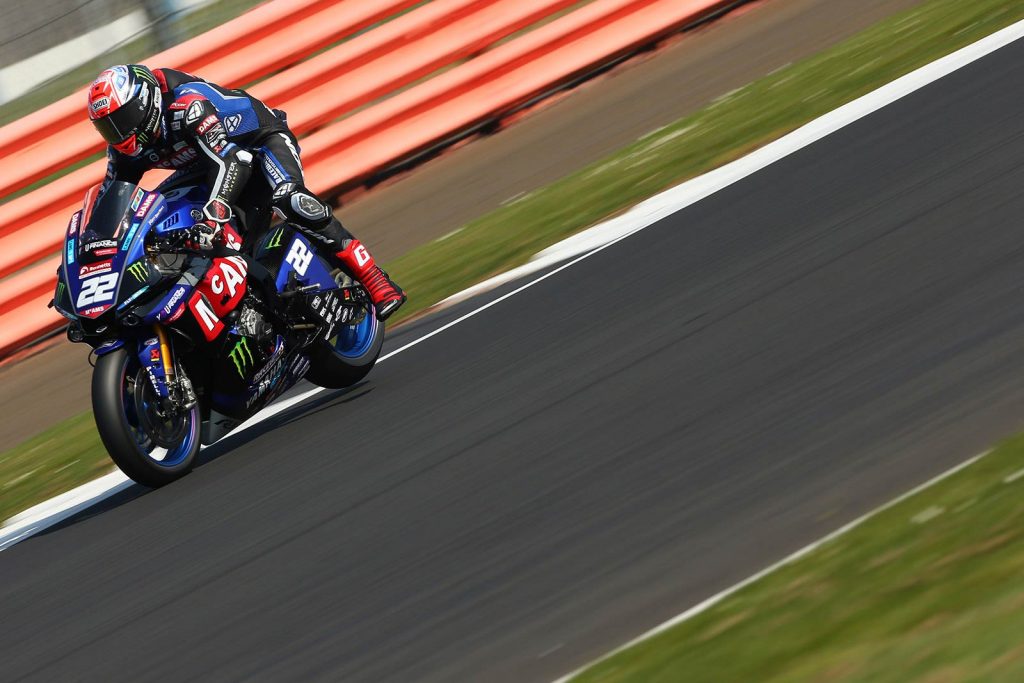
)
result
[(301, 259), (170, 306), (98, 258), (351, 341), (134, 240)]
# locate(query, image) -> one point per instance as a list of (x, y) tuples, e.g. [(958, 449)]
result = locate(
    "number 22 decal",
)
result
[(300, 257), (97, 290)]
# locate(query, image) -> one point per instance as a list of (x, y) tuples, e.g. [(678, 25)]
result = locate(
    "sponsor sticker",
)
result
[(275, 360), (139, 271), (174, 316), (273, 171), (232, 273), (98, 244), (73, 224), (94, 311), (207, 319), (95, 269), (137, 199), (175, 298), (275, 240), (206, 124), (242, 356), (127, 242), (183, 156), (145, 206)]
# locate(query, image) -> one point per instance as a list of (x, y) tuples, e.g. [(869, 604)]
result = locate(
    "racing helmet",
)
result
[(125, 107)]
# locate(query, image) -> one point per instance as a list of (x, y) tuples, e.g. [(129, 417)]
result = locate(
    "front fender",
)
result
[(106, 347)]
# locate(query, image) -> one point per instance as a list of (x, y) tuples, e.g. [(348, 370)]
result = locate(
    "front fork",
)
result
[(156, 355)]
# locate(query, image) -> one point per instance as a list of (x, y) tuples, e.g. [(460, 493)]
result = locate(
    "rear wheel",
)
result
[(151, 445), (348, 357)]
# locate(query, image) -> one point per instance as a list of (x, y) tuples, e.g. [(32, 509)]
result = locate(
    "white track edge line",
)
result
[(642, 215), (694, 190), (50, 512), (708, 603)]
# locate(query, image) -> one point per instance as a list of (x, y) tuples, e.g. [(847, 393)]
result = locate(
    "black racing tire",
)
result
[(111, 414), (331, 370)]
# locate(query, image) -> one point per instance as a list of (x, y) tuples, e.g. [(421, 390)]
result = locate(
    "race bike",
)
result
[(191, 343)]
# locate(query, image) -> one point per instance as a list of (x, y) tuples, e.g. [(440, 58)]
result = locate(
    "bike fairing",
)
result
[(212, 288)]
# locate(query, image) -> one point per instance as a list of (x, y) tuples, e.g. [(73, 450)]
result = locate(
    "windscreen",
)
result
[(105, 222)]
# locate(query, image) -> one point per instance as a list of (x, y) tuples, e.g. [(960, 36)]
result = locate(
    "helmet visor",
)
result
[(122, 123)]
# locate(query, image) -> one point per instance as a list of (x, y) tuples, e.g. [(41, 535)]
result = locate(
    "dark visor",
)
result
[(119, 125)]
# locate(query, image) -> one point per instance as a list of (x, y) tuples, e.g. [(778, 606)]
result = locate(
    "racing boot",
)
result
[(387, 296)]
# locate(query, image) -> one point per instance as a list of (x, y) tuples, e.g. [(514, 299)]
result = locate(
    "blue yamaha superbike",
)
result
[(189, 343)]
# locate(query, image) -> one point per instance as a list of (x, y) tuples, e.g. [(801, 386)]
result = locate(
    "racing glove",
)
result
[(203, 236)]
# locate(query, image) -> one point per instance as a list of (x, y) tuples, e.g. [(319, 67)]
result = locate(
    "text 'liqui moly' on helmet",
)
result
[(124, 105)]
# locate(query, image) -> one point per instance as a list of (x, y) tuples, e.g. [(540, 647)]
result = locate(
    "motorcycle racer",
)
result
[(163, 118)]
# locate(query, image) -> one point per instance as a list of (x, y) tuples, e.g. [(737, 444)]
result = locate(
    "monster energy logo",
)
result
[(144, 74), (275, 241), (60, 291), (239, 354), (139, 271)]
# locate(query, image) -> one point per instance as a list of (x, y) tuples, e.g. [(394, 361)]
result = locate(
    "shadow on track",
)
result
[(320, 403)]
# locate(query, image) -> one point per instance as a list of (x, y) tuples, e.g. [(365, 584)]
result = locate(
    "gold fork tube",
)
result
[(165, 350)]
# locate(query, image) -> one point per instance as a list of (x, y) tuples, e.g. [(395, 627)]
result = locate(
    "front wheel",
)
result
[(150, 445), (347, 357)]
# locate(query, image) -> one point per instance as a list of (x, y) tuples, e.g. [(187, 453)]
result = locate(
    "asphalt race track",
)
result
[(526, 490)]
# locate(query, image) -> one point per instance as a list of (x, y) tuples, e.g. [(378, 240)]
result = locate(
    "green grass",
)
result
[(928, 590), (732, 126), (51, 463)]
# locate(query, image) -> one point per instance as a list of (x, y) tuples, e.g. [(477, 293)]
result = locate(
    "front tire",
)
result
[(151, 448)]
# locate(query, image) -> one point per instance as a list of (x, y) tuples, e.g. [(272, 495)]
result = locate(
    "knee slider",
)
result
[(292, 201)]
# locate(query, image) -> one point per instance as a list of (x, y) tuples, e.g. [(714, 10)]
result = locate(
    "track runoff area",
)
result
[(500, 507)]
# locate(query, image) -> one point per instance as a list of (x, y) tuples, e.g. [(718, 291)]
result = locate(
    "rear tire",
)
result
[(348, 357), (124, 419)]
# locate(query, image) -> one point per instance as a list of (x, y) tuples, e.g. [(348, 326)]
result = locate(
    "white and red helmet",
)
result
[(124, 106)]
